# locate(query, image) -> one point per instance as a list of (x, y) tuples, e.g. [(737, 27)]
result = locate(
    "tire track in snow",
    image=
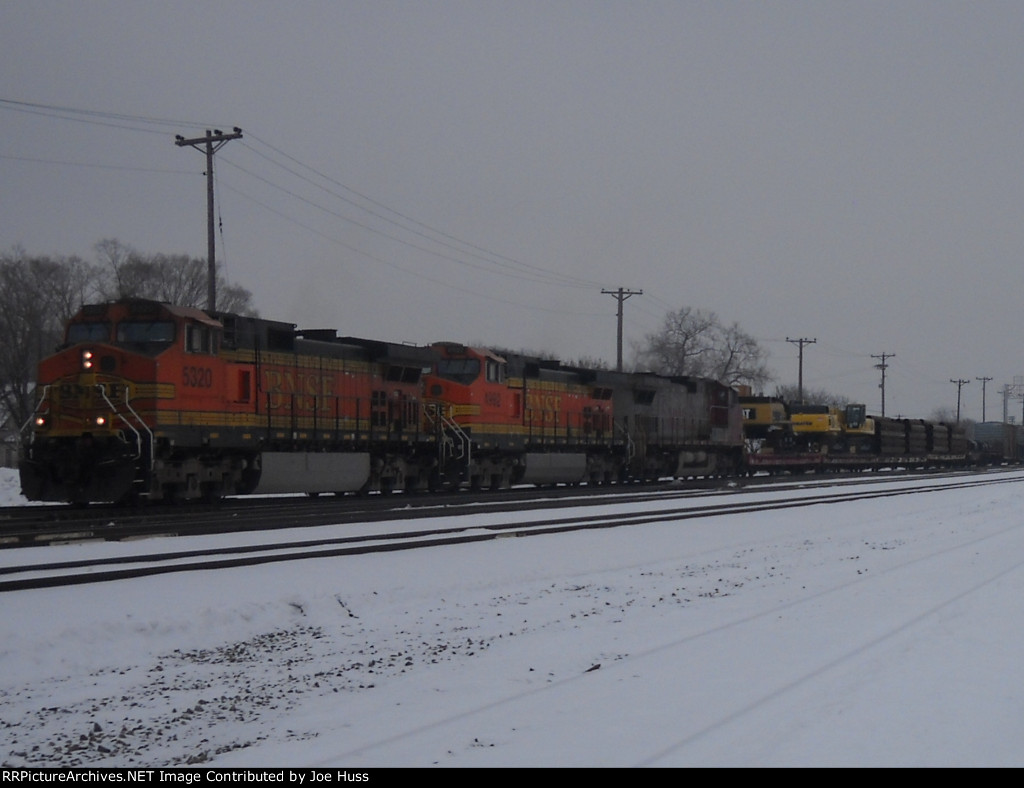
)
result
[(629, 663)]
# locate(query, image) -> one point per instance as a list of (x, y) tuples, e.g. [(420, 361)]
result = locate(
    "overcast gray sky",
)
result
[(849, 172)]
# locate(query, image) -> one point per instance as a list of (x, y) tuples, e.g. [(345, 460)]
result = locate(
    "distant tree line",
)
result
[(39, 293)]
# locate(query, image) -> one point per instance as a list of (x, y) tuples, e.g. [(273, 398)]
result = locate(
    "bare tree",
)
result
[(694, 342), (37, 296), (588, 362), (682, 346), (113, 255), (177, 279), (738, 359), (944, 416), (791, 393), (234, 298)]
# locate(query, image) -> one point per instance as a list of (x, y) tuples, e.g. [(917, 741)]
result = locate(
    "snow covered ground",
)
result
[(878, 633)]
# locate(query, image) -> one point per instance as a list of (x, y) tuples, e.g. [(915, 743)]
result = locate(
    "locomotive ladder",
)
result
[(453, 441)]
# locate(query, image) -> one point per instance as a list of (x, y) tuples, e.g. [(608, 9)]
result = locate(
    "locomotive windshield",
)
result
[(461, 370), (88, 332), (154, 334)]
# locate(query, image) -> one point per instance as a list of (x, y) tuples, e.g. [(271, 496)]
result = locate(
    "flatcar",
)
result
[(801, 438)]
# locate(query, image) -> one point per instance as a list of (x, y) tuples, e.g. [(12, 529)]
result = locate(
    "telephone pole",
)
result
[(801, 342), (212, 142), (620, 295), (959, 385), (883, 366), (983, 382)]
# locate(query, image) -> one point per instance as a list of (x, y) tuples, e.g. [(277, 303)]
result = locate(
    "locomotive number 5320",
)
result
[(197, 377)]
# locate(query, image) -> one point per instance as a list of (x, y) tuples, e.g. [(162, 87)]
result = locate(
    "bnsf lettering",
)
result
[(283, 385), (73, 391), (197, 377), (115, 390), (70, 391), (537, 401)]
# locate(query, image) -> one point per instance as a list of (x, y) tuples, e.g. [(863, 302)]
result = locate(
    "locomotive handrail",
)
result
[(138, 436), (630, 444), (149, 432), (449, 425)]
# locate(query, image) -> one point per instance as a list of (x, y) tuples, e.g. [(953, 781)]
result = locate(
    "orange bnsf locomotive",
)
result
[(150, 400), (168, 402), (516, 419)]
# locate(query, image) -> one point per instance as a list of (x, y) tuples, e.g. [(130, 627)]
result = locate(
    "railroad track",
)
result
[(39, 526), (383, 536)]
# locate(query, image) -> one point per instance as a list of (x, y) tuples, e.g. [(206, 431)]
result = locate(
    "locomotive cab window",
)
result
[(199, 339), (495, 371)]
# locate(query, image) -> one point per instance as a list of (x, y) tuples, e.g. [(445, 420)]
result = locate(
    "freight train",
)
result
[(147, 400), (152, 401)]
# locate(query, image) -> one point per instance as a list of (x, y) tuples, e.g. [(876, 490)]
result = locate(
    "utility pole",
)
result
[(801, 342), (212, 142), (620, 296), (959, 385), (983, 382), (883, 366)]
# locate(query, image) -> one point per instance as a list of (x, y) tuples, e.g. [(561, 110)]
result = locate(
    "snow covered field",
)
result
[(878, 633)]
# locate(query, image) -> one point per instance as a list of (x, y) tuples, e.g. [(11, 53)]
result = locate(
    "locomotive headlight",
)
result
[(86, 359), (101, 421), (40, 421)]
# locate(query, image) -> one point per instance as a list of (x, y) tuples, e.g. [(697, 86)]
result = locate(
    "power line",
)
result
[(96, 166), (135, 123), (381, 233), (97, 117), (475, 250), (391, 264)]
